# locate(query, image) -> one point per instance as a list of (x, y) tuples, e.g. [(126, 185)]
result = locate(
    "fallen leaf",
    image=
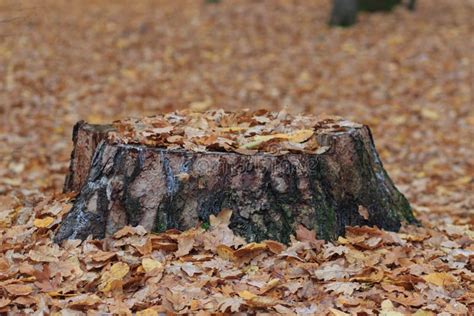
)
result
[(43, 222), (4, 302), (150, 264), (346, 288), (364, 212), (441, 279), (112, 279), (222, 219), (226, 253), (18, 289)]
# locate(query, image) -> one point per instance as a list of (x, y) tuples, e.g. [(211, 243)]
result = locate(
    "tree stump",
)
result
[(127, 180)]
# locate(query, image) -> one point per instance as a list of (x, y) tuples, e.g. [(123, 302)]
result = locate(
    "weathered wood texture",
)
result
[(269, 195), (85, 137)]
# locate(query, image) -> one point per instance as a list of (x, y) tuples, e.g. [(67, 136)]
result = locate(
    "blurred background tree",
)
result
[(344, 12)]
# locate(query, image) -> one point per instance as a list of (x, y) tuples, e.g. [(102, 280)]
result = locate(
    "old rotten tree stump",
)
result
[(173, 171)]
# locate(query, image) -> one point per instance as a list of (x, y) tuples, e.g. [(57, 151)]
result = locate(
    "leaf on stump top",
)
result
[(243, 132)]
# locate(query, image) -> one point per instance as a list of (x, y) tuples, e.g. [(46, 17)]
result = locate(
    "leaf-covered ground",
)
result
[(407, 75)]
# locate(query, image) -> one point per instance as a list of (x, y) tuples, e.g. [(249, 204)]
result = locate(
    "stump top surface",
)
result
[(242, 132)]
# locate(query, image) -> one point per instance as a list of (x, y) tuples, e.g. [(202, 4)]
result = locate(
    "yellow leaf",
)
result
[(150, 264), (246, 295), (43, 222), (259, 139), (301, 135), (430, 114), (119, 270), (342, 240), (270, 285), (113, 279), (440, 279)]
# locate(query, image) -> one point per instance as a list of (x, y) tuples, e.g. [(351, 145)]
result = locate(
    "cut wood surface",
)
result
[(325, 183)]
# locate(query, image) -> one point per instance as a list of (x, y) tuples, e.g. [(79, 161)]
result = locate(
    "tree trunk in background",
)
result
[(344, 13), (377, 5), (270, 195), (411, 5)]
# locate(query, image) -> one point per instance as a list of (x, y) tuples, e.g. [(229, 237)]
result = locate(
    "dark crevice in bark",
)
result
[(279, 220), (174, 199), (133, 207), (211, 202), (322, 200)]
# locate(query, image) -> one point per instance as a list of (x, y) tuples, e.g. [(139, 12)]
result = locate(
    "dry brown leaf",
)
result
[(4, 302), (443, 279), (274, 246), (251, 249), (222, 219), (226, 253), (18, 289)]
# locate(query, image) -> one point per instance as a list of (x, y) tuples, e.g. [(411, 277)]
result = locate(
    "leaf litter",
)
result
[(391, 72)]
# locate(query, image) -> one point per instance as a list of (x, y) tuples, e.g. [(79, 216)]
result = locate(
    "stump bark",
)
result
[(123, 184)]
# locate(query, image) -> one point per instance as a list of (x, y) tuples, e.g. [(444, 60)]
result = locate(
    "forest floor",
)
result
[(408, 75)]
